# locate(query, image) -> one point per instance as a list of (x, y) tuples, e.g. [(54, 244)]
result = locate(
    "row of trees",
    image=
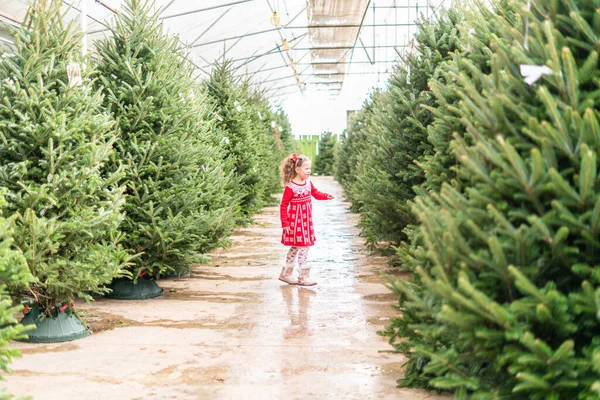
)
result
[(135, 170), (485, 178), (324, 163)]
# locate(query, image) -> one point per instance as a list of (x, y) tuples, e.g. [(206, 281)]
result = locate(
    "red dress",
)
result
[(295, 212)]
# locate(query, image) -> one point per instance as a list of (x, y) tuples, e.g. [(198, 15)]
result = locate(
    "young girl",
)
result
[(296, 217)]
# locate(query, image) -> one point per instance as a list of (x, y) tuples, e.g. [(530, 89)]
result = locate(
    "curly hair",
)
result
[(289, 165)]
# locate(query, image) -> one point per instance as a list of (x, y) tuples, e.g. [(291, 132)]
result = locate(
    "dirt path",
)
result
[(232, 330)]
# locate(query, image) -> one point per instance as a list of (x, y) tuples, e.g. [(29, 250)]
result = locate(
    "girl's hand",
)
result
[(287, 230), (330, 197)]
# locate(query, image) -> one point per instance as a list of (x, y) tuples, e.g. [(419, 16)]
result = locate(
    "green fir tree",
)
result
[(397, 141), (285, 135), (55, 140), (231, 106), (354, 145), (506, 301), (269, 146), (13, 274), (181, 197), (324, 163)]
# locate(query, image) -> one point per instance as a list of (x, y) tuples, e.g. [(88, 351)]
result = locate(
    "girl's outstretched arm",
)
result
[(319, 195)]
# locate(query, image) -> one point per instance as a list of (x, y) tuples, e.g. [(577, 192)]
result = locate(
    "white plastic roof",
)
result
[(333, 43)]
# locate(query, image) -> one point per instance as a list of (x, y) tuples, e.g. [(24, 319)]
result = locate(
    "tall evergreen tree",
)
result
[(510, 280), (269, 149), (13, 274), (326, 157), (354, 145), (180, 195), (286, 137), (229, 99), (388, 172), (54, 143)]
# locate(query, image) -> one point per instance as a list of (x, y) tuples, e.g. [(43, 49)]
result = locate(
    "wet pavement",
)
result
[(232, 330)]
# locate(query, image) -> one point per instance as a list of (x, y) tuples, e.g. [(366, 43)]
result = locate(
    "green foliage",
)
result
[(387, 170), (324, 163), (270, 143), (505, 303), (286, 137), (249, 143), (353, 145), (181, 195), (13, 274), (54, 142)]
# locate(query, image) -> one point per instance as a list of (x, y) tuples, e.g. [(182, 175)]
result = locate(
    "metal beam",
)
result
[(162, 10), (359, 29), (278, 97), (325, 26), (89, 16), (351, 73), (346, 62), (326, 63), (14, 21), (107, 6), (205, 9), (366, 52), (296, 27), (270, 52), (285, 77), (341, 47), (175, 15), (210, 26), (275, 96), (250, 33), (273, 51), (280, 87)]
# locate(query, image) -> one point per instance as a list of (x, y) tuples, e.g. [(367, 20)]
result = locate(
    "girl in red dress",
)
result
[(296, 217)]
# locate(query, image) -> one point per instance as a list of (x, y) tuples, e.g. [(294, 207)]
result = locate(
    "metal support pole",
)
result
[(366, 52), (340, 47), (374, 38), (210, 26), (84, 27), (359, 28), (205, 9)]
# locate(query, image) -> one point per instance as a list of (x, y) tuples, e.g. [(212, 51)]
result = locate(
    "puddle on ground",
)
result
[(212, 297)]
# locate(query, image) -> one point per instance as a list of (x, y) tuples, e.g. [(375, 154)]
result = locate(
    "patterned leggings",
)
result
[(301, 252)]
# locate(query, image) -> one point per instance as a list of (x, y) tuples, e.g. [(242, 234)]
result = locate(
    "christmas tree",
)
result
[(326, 157), (180, 195), (269, 147), (354, 145), (13, 274), (387, 173), (506, 302), (285, 136), (54, 143), (229, 101)]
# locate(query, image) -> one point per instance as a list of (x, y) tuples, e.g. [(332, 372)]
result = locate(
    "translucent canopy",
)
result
[(288, 47)]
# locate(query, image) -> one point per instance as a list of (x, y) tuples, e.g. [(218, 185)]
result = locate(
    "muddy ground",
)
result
[(232, 330)]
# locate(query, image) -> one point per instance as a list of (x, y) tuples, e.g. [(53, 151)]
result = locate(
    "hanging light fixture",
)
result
[(275, 19), (292, 63), (285, 46)]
